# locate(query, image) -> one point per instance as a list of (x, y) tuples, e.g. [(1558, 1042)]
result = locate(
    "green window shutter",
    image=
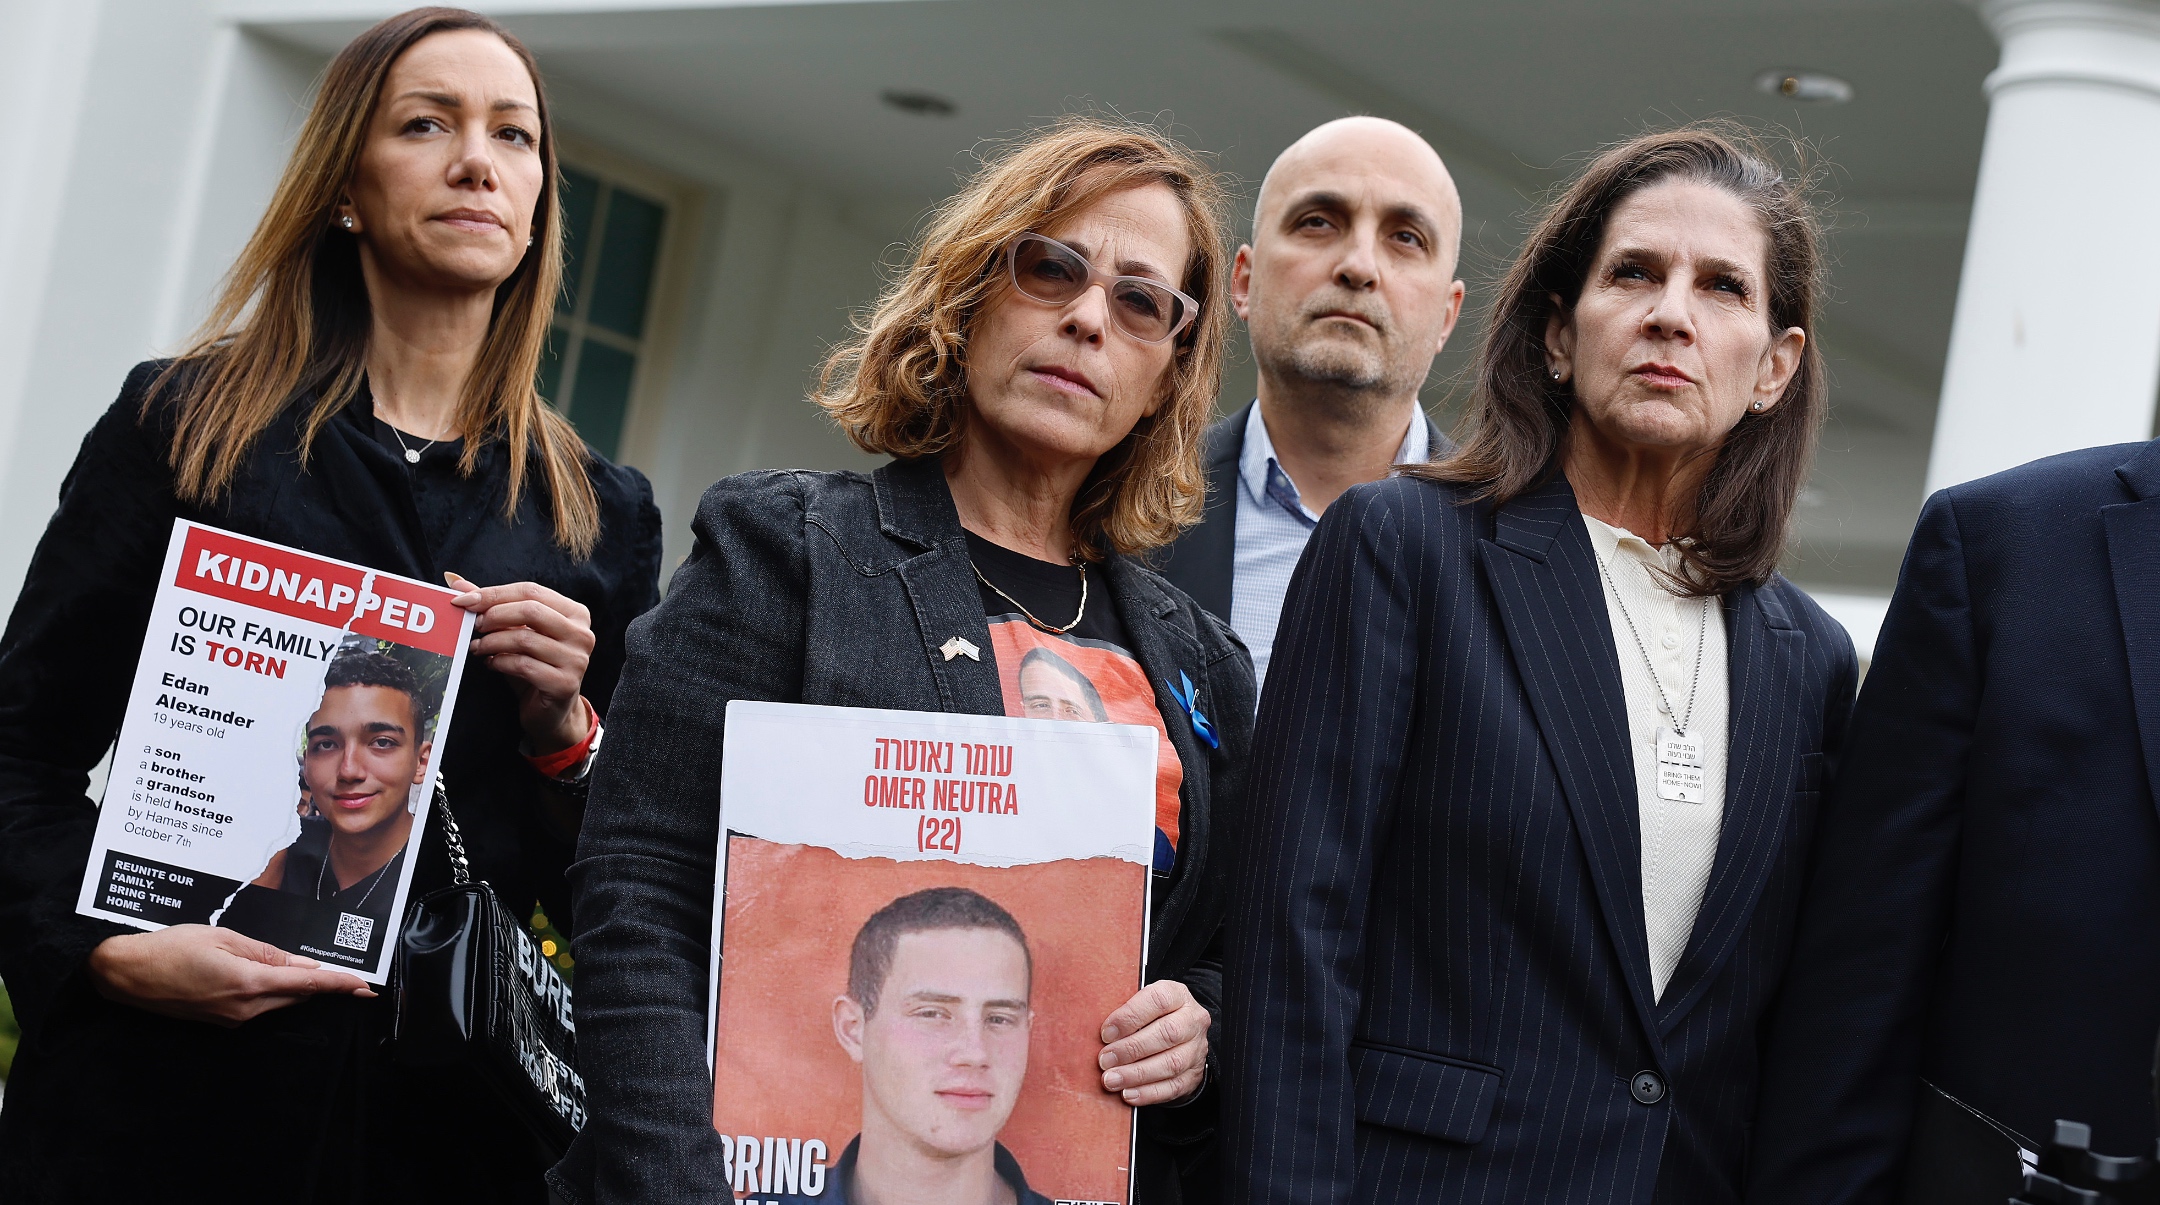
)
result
[(624, 282), (603, 395), (611, 239)]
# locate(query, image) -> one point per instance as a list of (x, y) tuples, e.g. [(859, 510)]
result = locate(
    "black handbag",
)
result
[(474, 991)]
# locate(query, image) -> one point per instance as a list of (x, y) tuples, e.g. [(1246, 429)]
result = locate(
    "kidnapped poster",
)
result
[(279, 750)]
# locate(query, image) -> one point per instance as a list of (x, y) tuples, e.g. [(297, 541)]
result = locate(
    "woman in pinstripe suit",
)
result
[(1541, 751)]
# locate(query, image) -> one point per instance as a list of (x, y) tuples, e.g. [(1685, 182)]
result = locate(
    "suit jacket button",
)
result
[(1648, 1087)]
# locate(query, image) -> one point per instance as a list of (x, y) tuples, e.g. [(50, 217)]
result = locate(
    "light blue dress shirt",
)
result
[(1272, 527)]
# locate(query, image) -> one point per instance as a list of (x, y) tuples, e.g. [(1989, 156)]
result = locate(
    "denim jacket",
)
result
[(834, 589)]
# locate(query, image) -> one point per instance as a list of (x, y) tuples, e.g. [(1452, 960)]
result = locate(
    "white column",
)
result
[(2056, 340)]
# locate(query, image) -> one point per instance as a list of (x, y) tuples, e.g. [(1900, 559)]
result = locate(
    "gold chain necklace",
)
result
[(1054, 631)]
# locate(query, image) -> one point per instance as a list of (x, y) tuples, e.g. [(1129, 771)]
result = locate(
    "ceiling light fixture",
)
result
[(919, 104), (1806, 87)]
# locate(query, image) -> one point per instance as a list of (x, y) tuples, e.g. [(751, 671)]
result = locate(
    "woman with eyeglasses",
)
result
[(1041, 375)]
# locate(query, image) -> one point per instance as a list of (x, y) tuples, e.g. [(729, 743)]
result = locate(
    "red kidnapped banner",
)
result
[(319, 590)]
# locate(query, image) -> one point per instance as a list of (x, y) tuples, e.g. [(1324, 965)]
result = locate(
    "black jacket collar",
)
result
[(2141, 473), (2133, 531), (915, 505), (1553, 610), (840, 1181)]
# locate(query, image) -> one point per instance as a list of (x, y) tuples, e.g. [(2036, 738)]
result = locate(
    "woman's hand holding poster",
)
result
[(922, 922), (279, 749)]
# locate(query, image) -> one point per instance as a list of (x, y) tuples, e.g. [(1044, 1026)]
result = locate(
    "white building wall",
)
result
[(111, 92), (150, 134), (778, 265), (44, 58), (255, 94)]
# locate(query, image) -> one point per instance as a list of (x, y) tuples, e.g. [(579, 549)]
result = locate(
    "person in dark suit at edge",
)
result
[(1535, 773), (1976, 956), (1348, 292)]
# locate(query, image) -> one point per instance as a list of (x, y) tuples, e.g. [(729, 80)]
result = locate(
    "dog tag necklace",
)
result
[(1682, 770)]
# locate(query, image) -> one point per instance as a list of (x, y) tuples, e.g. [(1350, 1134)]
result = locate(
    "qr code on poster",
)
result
[(353, 932)]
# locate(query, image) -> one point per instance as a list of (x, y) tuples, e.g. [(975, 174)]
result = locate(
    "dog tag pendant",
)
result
[(1680, 769)]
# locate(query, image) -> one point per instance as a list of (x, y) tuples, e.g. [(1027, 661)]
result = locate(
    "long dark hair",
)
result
[(1739, 523), (293, 315)]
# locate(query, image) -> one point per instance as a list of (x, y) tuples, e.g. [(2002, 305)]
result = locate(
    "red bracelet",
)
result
[(553, 764)]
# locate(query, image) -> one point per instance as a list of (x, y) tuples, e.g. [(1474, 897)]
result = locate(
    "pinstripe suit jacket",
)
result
[(1438, 979)]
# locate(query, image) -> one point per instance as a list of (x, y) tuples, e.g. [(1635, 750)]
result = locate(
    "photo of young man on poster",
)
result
[(937, 1015), (365, 751), (1052, 688)]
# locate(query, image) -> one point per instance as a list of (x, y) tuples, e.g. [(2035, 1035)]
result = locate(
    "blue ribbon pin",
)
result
[(1185, 699)]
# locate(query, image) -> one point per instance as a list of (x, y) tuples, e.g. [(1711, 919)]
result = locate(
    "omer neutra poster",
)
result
[(279, 751), (921, 922)]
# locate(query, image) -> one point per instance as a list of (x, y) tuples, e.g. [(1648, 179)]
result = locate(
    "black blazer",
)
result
[(838, 589), (1987, 892), (1203, 561), (1438, 976), (306, 1089)]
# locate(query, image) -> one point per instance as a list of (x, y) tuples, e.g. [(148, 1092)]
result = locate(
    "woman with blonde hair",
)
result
[(1041, 374), (363, 389)]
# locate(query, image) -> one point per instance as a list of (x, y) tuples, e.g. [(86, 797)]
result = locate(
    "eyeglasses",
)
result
[(1055, 274)]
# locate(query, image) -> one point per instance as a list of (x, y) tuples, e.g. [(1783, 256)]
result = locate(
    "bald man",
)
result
[(1348, 291)]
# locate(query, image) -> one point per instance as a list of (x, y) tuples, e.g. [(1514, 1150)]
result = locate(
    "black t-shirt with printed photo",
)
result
[(1086, 674)]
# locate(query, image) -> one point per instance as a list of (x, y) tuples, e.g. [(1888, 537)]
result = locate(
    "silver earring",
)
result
[(1555, 374), (1757, 407), (528, 240), (346, 221)]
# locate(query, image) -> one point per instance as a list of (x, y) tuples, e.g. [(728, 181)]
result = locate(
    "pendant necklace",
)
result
[(1054, 631), (1682, 775), (412, 454)]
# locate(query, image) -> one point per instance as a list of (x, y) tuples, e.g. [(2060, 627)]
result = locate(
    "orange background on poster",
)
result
[(1126, 694), (792, 914)]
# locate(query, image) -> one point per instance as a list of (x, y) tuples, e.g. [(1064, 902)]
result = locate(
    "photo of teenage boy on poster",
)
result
[(937, 1015), (364, 753)]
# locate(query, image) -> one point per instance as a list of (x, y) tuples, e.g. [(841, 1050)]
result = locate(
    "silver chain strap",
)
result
[(460, 869)]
